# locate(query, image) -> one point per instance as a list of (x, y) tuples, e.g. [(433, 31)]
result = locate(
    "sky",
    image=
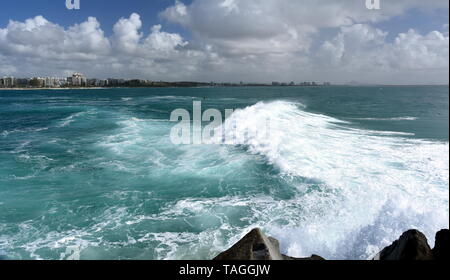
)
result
[(404, 42)]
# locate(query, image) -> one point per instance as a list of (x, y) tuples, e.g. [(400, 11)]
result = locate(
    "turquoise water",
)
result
[(92, 174)]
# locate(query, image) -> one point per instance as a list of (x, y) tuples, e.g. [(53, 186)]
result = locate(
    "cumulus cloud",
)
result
[(84, 47), (126, 33), (233, 40), (414, 51), (277, 25), (356, 44), (362, 47), (282, 36), (37, 37)]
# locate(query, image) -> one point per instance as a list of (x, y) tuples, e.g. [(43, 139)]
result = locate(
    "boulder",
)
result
[(257, 246), (412, 245), (441, 246), (253, 246)]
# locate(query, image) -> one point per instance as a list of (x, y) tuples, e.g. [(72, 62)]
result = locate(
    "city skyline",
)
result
[(80, 80), (39, 81)]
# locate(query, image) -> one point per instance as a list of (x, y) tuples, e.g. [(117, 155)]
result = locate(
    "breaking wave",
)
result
[(318, 184), (356, 188)]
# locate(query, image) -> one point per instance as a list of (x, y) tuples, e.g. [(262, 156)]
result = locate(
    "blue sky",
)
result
[(229, 40), (106, 11), (420, 20)]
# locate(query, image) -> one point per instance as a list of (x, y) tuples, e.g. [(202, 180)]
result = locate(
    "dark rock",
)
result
[(256, 246), (441, 246), (253, 246), (412, 245), (312, 258)]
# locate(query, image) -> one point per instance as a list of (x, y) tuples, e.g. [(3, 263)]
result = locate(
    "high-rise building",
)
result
[(51, 82), (77, 80), (8, 82)]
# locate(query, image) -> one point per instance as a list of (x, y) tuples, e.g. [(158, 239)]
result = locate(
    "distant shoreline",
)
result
[(297, 86), (52, 88)]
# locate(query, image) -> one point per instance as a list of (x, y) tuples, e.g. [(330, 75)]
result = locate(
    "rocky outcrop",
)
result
[(257, 246), (253, 246), (412, 245), (312, 258), (441, 248)]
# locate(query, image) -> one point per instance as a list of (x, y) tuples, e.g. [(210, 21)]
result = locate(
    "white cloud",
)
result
[(249, 26), (360, 47), (26, 38), (355, 47), (414, 51), (83, 47), (126, 33), (233, 40), (6, 66)]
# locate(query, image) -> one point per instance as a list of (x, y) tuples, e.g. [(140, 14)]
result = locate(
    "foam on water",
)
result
[(407, 118), (76, 117), (5, 133), (361, 182), (355, 190), (319, 184)]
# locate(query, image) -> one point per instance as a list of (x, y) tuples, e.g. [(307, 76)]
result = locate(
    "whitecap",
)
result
[(359, 172), (407, 118), (70, 119)]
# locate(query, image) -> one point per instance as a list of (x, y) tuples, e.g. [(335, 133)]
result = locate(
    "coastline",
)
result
[(262, 85), (53, 88)]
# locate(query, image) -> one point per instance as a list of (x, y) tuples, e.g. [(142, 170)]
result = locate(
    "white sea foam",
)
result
[(70, 119), (39, 241), (355, 190), (366, 183), (6, 133), (407, 118), (168, 98), (316, 146), (65, 244)]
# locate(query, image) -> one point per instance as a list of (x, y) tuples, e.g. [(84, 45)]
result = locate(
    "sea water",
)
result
[(92, 174)]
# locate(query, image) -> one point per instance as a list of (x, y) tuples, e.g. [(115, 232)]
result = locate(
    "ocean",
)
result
[(93, 174)]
